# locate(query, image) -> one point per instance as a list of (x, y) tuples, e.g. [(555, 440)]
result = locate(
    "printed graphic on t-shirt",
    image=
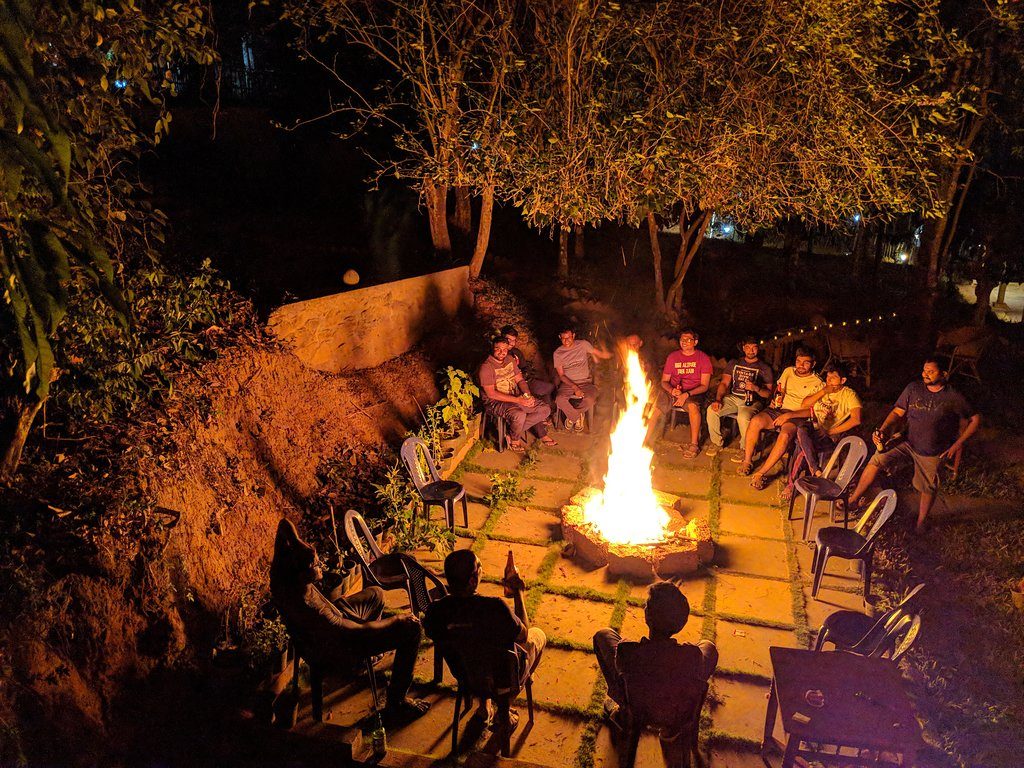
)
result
[(741, 374), (505, 378)]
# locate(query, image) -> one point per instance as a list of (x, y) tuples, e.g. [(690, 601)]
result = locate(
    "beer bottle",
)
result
[(510, 571)]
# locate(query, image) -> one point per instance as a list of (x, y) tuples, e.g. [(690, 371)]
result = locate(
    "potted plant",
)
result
[(457, 404)]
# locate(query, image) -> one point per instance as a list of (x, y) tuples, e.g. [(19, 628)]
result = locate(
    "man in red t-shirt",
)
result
[(684, 380)]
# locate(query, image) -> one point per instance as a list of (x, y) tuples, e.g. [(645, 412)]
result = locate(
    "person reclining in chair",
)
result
[(486, 618), (507, 396), (342, 631), (666, 613)]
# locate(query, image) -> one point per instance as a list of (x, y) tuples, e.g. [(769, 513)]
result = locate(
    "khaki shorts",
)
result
[(926, 468)]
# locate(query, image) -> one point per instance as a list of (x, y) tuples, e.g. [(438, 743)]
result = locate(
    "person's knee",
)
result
[(536, 638), (605, 639), (710, 653)]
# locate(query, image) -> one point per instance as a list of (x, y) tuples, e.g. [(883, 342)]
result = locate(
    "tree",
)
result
[(83, 90)]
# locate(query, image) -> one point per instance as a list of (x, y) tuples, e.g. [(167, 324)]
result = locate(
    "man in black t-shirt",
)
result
[(934, 412), (488, 618), (743, 391)]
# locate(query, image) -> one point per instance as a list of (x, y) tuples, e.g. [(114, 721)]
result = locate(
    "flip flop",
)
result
[(745, 468), (758, 482), (516, 447), (549, 441)]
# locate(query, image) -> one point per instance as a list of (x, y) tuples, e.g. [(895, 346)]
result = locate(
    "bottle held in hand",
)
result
[(780, 395), (511, 573)]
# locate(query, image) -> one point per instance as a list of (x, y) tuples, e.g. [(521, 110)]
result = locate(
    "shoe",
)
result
[(405, 710), (613, 714), (578, 425), (713, 450), (737, 458)]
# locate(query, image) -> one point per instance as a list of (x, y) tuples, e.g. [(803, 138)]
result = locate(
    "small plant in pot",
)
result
[(457, 404)]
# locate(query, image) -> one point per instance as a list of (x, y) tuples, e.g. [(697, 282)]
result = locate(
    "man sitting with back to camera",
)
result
[(507, 396), (487, 620), (659, 658)]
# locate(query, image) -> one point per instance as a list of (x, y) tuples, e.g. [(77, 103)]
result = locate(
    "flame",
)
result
[(627, 511)]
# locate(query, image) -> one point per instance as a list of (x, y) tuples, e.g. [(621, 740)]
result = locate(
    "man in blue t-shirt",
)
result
[(744, 389), (939, 422)]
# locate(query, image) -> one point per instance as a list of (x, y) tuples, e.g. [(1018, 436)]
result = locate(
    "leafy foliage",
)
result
[(78, 80), (505, 489), (458, 403)]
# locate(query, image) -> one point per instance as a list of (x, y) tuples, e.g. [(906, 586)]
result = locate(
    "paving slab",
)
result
[(564, 466), (610, 744), (570, 619), (547, 493), (551, 740), (724, 757), (477, 485), (506, 461), (744, 647), (829, 601), (347, 705), (689, 508), (747, 596), (634, 626), (693, 586), (424, 669), (430, 734), (675, 480), (529, 523), (739, 708), (750, 520), (494, 555), (583, 443), (565, 677), (838, 572), (755, 556), (738, 488), (478, 514), (571, 573)]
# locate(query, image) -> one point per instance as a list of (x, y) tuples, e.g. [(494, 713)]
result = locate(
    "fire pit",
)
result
[(627, 525)]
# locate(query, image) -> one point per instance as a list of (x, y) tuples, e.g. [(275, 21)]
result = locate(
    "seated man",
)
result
[(344, 630), (796, 382), (487, 618), (539, 387), (576, 392), (684, 380), (939, 422), (834, 410), (502, 382), (666, 613), (744, 389)]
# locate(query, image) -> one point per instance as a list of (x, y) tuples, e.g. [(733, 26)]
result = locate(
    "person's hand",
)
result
[(526, 400), (514, 582), (716, 406), (749, 386), (682, 398), (676, 391), (831, 389), (951, 452), (781, 419), (577, 393), (409, 618), (878, 438)]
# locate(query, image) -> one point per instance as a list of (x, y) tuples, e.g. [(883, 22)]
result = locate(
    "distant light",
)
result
[(856, 218), (727, 229), (903, 256), (120, 83), (474, 145)]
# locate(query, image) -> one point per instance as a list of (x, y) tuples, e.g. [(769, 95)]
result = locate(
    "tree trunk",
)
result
[(659, 285), (18, 413), (578, 242), (691, 231), (947, 242), (463, 220), (563, 251), (483, 233), (983, 291), (437, 205)]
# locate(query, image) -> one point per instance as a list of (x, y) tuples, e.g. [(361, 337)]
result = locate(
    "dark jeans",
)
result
[(606, 642), (393, 634), (812, 448)]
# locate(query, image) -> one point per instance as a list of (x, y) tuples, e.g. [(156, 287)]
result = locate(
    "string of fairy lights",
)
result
[(825, 326)]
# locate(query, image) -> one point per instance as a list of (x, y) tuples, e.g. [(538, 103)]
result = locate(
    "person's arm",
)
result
[(882, 432), (723, 388), (846, 426), (811, 399), (972, 426), (518, 587), (666, 384), (493, 394), (577, 392), (599, 354), (700, 389), (782, 418)]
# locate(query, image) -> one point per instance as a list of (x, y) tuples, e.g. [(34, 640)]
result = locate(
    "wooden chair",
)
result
[(964, 347), (855, 353)]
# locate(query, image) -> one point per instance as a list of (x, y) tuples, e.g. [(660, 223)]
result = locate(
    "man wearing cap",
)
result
[(744, 389), (657, 660)]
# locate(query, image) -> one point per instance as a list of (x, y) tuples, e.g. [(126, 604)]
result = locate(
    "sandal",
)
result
[(745, 468), (548, 441), (758, 481), (692, 451), (516, 446)]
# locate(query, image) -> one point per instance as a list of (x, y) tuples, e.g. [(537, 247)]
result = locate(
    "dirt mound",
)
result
[(239, 448)]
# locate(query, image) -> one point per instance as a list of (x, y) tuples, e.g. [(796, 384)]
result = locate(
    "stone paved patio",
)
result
[(755, 594)]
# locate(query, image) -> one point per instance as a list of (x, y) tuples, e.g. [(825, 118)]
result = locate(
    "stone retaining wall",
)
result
[(365, 327)]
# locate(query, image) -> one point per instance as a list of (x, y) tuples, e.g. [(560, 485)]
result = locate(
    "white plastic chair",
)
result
[(854, 451)]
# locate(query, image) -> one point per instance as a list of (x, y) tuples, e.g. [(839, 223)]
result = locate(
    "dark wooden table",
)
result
[(863, 707)]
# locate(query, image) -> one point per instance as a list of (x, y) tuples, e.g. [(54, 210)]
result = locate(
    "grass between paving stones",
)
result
[(796, 589)]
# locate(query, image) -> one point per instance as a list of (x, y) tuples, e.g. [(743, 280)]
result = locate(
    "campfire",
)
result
[(628, 525)]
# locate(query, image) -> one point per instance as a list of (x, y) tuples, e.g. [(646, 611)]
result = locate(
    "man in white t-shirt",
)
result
[(787, 410), (576, 392)]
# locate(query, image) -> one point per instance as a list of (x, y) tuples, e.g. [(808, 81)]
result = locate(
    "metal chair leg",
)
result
[(373, 682), (465, 512)]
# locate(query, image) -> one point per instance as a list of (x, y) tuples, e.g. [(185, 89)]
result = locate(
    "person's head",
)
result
[(510, 333), (667, 609), (295, 562), (462, 572), (750, 347), (567, 336), (836, 373), (499, 348), (934, 371), (688, 340), (803, 361), (634, 342)]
